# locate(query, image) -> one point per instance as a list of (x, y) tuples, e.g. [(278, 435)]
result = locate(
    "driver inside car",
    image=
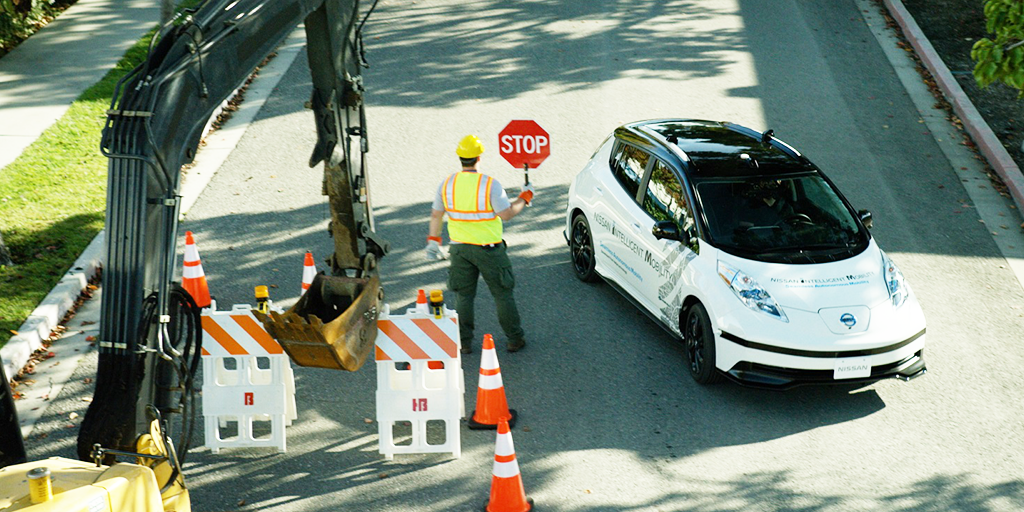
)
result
[(767, 203)]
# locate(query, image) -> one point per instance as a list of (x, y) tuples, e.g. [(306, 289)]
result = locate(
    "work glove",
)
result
[(434, 249), (527, 193)]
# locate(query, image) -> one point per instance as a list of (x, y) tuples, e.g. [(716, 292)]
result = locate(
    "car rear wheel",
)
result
[(700, 345), (581, 247)]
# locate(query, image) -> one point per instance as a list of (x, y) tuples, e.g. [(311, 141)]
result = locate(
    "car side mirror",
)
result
[(865, 218), (666, 229)]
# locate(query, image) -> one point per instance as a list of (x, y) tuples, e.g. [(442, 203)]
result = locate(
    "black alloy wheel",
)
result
[(700, 345), (581, 247)]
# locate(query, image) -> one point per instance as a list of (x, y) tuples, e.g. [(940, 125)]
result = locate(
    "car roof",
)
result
[(712, 149)]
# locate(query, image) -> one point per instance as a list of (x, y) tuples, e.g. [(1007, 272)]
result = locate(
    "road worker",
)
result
[(477, 205)]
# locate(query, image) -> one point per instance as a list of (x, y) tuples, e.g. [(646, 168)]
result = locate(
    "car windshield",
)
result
[(790, 219)]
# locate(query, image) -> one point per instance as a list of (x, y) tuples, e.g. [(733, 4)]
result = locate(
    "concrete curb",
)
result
[(991, 148), (56, 304), (51, 310)]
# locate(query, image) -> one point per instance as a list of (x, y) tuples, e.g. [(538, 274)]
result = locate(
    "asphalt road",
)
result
[(610, 420)]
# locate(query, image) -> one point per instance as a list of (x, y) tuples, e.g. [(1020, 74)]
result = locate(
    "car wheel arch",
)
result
[(687, 304), (576, 211)]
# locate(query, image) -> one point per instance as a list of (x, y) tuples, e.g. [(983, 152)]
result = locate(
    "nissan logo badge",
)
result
[(848, 320)]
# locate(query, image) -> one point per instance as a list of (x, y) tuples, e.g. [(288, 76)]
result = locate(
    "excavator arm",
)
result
[(149, 327)]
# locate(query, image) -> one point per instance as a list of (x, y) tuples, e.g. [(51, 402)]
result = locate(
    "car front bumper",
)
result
[(766, 366)]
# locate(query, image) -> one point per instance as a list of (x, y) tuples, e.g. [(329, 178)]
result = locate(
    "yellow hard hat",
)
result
[(469, 147)]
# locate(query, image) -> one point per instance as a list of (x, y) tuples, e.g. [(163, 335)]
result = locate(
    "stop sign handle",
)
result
[(526, 173)]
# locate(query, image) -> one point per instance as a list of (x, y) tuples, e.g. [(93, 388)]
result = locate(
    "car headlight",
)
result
[(750, 293), (894, 281)]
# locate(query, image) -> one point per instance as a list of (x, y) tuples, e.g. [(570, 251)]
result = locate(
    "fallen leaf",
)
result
[(86, 399), (241, 503), (367, 421), (90, 338), (87, 380), (88, 322), (382, 476), (14, 332), (72, 415)]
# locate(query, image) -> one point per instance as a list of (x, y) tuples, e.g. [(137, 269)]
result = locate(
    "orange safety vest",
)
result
[(467, 201)]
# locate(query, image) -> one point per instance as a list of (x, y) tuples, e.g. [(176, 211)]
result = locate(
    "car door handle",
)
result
[(637, 228), (599, 190)]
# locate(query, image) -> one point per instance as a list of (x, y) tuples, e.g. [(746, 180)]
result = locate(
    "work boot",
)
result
[(467, 348), (516, 345)]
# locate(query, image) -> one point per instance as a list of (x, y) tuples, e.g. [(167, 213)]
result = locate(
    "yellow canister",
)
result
[(39, 485), (437, 303), (262, 299)]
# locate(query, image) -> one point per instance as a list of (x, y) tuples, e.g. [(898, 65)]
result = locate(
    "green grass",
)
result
[(52, 198)]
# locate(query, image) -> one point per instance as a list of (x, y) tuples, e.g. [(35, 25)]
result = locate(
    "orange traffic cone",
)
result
[(192, 277), (308, 272), (421, 302), (491, 406), (507, 492)]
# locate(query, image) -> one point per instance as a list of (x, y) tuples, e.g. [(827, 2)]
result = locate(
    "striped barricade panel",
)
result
[(247, 378), (417, 337), (236, 333), (419, 380)]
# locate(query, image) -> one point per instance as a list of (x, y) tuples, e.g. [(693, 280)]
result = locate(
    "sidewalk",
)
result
[(42, 76)]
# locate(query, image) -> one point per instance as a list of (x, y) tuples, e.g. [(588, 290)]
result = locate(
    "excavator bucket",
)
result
[(333, 325)]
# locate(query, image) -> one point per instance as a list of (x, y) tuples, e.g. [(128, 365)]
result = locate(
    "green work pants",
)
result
[(468, 262)]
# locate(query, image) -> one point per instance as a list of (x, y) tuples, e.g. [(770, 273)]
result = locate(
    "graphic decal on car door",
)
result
[(667, 257)]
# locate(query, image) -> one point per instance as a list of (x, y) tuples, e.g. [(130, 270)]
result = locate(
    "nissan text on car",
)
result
[(738, 245)]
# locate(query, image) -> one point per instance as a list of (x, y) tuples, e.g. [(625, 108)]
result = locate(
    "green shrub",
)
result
[(21, 18)]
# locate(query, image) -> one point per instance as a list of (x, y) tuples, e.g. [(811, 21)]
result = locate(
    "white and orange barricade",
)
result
[(419, 382), (248, 384)]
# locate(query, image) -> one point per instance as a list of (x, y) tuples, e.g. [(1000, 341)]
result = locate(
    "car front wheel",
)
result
[(581, 247), (700, 345)]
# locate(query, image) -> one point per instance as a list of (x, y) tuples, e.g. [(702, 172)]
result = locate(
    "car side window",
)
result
[(628, 165), (666, 200)]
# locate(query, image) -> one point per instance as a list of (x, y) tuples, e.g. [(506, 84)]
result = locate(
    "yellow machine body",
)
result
[(83, 487)]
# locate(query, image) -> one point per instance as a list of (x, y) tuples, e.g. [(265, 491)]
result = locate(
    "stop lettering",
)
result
[(524, 142)]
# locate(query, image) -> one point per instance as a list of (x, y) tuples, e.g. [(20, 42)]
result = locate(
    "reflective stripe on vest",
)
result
[(467, 201)]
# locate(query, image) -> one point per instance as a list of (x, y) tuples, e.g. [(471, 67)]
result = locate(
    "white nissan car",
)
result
[(741, 247)]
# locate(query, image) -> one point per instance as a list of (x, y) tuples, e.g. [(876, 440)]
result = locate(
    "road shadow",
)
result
[(440, 54), (581, 365), (332, 464)]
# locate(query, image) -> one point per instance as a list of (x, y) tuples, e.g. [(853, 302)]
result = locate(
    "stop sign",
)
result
[(524, 142)]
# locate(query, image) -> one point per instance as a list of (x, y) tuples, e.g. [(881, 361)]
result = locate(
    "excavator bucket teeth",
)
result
[(333, 325)]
